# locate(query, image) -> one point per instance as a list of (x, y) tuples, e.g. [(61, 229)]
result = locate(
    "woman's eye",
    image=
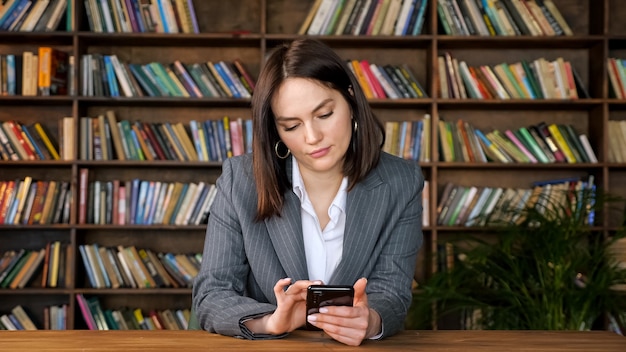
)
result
[(290, 128), (326, 115)]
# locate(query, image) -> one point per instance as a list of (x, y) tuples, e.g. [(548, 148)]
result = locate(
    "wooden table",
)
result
[(304, 341)]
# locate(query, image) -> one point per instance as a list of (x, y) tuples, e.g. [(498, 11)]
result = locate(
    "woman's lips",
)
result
[(320, 152)]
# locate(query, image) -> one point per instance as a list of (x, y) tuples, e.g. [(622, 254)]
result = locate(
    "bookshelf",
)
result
[(248, 29)]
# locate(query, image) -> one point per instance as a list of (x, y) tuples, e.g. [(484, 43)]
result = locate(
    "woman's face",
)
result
[(314, 122)]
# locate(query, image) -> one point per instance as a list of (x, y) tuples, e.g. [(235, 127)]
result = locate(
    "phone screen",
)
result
[(327, 295)]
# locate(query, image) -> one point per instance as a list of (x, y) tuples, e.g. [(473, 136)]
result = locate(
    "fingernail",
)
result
[(311, 318), (323, 310)]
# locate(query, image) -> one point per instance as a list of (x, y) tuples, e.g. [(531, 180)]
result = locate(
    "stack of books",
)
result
[(34, 202), (388, 81), (18, 319), (34, 16)]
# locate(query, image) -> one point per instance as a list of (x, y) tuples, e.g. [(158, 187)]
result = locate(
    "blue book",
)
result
[(11, 76), (555, 181), (231, 85), (136, 145), (15, 322), (416, 139), (417, 29), (88, 268), (11, 13), (34, 144), (141, 202), (218, 128), (108, 67), (193, 125), (405, 27), (171, 260), (248, 131), (210, 140), (159, 188), (148, 205), (134, 194), (143, 80), (162, 12)]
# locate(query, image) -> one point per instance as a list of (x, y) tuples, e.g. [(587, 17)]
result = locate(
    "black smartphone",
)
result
[(327, 295)]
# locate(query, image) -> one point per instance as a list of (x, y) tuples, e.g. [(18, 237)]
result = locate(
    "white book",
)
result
[(206, 204), (192, 203), (391, 93), (480, 203), (587, 146), (122, 258), (164, 202), (476, 17), (122, 78), (20, 15), (389, 21), (320, 17), (7, 322), (329, 16), (186, 203), (403, 16), (57, 13)]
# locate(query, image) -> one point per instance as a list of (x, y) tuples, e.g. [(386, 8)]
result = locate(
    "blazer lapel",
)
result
[(285, 232), (363, 222)]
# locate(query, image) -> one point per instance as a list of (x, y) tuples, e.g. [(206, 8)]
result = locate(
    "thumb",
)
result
[(360, 297)]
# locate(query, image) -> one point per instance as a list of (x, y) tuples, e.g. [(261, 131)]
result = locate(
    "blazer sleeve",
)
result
[(389, 285), (219, 288)]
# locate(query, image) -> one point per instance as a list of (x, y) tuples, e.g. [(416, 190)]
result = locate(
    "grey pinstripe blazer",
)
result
[(243, 259)]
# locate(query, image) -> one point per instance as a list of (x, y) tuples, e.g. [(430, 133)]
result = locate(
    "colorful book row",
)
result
[(98, 318), (128, 16), (409, 139), (129, 267), (44, 72), (386, 82), (501, 17), (32, 202), (539, 79), (541, 143), (27, 142), (480, 206), (105, 138), (33, 16), (142, 202), (106, 75), (18, 268), (365, 17)]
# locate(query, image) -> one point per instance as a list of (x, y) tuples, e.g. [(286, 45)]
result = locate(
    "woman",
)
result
[(316, 202)]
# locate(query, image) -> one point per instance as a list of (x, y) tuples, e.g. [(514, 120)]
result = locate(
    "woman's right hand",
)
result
[(290, 312)]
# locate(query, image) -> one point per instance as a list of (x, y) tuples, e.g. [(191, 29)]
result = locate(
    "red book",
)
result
[(46, 264), (6, 202), (16, 128), (239, 65), (82, 195), (373, 82), (154, 142)]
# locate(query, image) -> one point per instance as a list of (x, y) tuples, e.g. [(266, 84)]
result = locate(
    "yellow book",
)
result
[(54, 272), (45, 62), (178, 188), (144, 150), (115, 136), (219, 79), (31, 256), (183, 137), (22, 195), (150, 281), (309, 17), (177, 82), (23, 318), (46, 141), (360, 76), (562, 144), (47, 205)]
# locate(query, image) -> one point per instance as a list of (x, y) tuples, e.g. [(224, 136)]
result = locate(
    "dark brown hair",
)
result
[(311, 59)]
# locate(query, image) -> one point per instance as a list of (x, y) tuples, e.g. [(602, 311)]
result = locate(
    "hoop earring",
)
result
[(355, 125), (277, 153)]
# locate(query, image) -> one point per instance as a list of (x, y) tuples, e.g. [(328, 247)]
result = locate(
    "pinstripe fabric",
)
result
[(244, 259)]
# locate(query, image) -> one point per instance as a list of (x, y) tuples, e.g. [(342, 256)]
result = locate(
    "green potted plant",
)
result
[(543, 268)]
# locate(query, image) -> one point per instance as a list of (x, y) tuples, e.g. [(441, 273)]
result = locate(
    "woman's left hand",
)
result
[(349, 325)]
